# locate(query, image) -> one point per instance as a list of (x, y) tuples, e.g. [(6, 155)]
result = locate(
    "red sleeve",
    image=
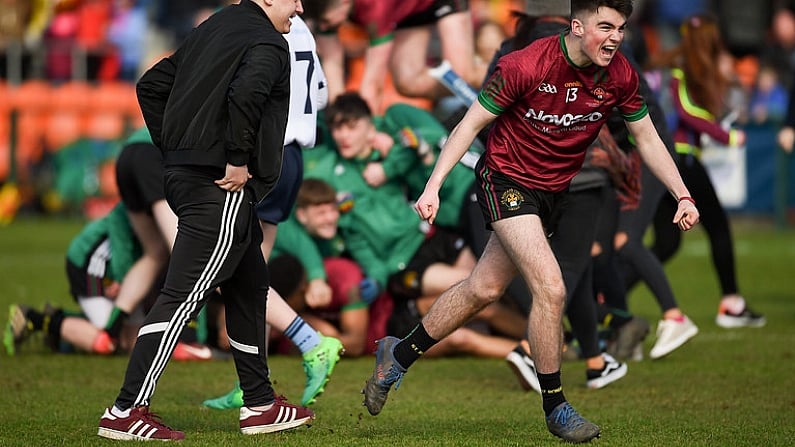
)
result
[(509, 82)]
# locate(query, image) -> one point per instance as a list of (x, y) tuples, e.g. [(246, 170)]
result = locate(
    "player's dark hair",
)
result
[(315, 192), (347, 108), (624, 7)]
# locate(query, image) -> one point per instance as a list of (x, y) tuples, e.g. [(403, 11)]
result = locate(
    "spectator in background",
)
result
[(786, 136), (40, 15), (60, 36), (178, 17), (310, 239), (488, 38), (699, 89), (769, 98), (14, 17), (127, 31), (667, 15), (740, 76), (780, 50)]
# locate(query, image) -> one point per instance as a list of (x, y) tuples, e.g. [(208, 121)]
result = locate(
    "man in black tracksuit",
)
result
[(217, 109)]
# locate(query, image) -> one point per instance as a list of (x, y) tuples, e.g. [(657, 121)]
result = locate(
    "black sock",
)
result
[(594, 373), (408, 350), (551, 391), (52, 328), (35, 319), (116, 322)]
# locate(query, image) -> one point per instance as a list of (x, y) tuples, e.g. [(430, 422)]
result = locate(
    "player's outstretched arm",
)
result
[(459, 141), (659, 161)]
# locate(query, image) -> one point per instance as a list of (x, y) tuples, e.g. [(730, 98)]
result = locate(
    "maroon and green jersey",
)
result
[(549, 110)]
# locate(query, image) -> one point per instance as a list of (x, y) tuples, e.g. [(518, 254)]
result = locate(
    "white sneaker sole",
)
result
[(601, 382), (124, 436), (113, 434), (527, 377), (271, 428), (661, 351), (728, 322)]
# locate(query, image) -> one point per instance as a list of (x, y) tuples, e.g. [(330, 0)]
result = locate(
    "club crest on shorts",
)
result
[(512, 199)]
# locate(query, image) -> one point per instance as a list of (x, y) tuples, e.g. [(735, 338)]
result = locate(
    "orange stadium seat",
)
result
[(103, 125), (5, 158), (5, 97), (61, 128), (33, 95), (115, 96), (71, 96)]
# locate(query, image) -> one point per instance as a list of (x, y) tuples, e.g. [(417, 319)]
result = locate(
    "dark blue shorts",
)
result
[(278, 204)]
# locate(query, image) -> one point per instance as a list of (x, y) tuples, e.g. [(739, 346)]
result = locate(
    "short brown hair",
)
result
[(315, 191), (347, 108)]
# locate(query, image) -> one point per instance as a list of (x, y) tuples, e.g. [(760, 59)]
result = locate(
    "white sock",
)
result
[(119, 413), (304, 336)]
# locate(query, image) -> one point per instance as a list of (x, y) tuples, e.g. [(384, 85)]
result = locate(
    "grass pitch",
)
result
[(723, 388)]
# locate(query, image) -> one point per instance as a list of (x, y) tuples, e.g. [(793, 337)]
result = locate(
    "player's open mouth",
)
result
[(608, 51)]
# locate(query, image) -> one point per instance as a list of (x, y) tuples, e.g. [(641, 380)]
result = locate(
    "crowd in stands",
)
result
[(67, 102)]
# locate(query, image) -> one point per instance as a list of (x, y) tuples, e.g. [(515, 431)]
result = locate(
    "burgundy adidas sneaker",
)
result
[(140, 425), (281, 416)]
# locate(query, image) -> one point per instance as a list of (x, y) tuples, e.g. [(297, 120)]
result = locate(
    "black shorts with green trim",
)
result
[(501, 197)]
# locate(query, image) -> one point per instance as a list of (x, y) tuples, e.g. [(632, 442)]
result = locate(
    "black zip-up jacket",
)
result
[(223, 96)]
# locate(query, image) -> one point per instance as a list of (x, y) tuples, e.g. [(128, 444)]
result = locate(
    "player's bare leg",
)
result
[(485, 285), (524, 240), (456, 35), (409, 67)]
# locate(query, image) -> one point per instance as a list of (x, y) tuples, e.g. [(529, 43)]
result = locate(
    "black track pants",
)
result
[(217, 245)]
